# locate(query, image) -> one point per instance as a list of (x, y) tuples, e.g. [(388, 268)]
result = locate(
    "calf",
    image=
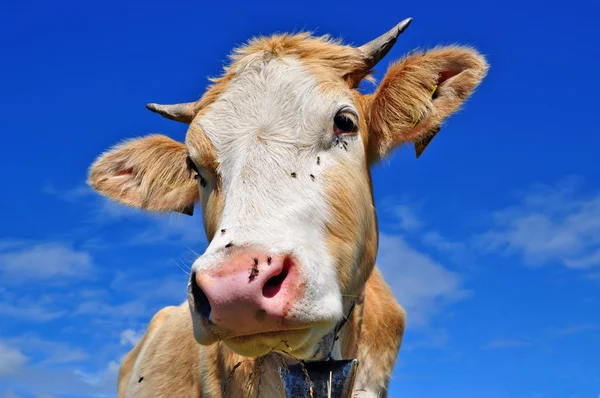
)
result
[(278, 156)]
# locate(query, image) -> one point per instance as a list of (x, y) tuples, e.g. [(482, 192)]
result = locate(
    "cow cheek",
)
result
[(212, 212), (351, 234)]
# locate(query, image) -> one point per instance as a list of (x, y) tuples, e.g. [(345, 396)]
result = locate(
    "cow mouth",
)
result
[(229, 335), (268, 334), (241, 339), (298, 342)]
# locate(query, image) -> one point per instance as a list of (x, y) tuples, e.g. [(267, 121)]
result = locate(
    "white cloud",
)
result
[(6, 244), (421, 285), (28, 309), (548, 337), (586, 261), (105, 377), (99, 309), (496, 344), (155, 228), (67, 356), (427, 338), (48, 262), (172, 288), (44, 395), (107, 210), (577, 329), (143, 297), (550, 224), (61, 381), (69, 195), (435, 239), (53, 352), (12, 360), (594, 276), (165, 228), (130, 337), (54, 376), (407, 217), (35, 307), (10, 394)]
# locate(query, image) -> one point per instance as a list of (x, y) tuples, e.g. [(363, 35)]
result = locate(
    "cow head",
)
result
[(277, 154)]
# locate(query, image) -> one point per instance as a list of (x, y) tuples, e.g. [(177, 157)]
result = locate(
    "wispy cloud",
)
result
[(72, 195), (10, 394), (145, 227), (130, 337), (407, 216), (167, 289), (423, 286), (420, 283), (12, 360), (34, 306), (496, 344), (549, 336), (438, 241), (47, 262), (60, 368), (428, 337), (62, 381), (30, 309), (552, 223), (177, 228), (101, 309), (51, 352), (594, 276), (105, 378), (6, 244), (44, 395), (577, 329)]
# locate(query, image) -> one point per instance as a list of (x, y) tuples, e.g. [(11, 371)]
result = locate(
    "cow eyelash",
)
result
[(192, 167)]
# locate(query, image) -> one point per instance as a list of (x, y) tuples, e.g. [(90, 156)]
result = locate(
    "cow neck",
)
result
[(333, 346), (344, 322)]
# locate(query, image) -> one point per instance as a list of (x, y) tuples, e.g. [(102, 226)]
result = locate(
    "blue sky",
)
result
[(491, 240)]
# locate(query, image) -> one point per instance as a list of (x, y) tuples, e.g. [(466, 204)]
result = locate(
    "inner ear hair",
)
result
[(148, 173), (418, 93)]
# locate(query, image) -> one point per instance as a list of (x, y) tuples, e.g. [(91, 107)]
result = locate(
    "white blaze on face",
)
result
[(270, 125)]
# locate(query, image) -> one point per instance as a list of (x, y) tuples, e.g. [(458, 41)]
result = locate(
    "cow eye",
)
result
[(344, 123)]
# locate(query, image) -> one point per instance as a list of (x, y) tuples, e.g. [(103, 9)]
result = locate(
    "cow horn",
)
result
[(376, 49), (183, 113)]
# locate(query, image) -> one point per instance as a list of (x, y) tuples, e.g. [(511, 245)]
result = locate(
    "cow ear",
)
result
[(150, 173), (418, 93)]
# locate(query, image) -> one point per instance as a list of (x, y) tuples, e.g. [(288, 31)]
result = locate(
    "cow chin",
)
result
[(299, 343)]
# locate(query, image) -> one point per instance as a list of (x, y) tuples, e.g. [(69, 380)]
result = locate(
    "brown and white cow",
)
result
[(278, 153)]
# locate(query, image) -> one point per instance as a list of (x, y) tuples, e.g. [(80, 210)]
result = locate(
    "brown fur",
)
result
[(404, 95), (149, 173), (166, 361), (352, 233), (323, 55)]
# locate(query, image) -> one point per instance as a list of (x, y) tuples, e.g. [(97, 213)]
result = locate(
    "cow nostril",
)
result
[(273, 285), (201, 303)]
